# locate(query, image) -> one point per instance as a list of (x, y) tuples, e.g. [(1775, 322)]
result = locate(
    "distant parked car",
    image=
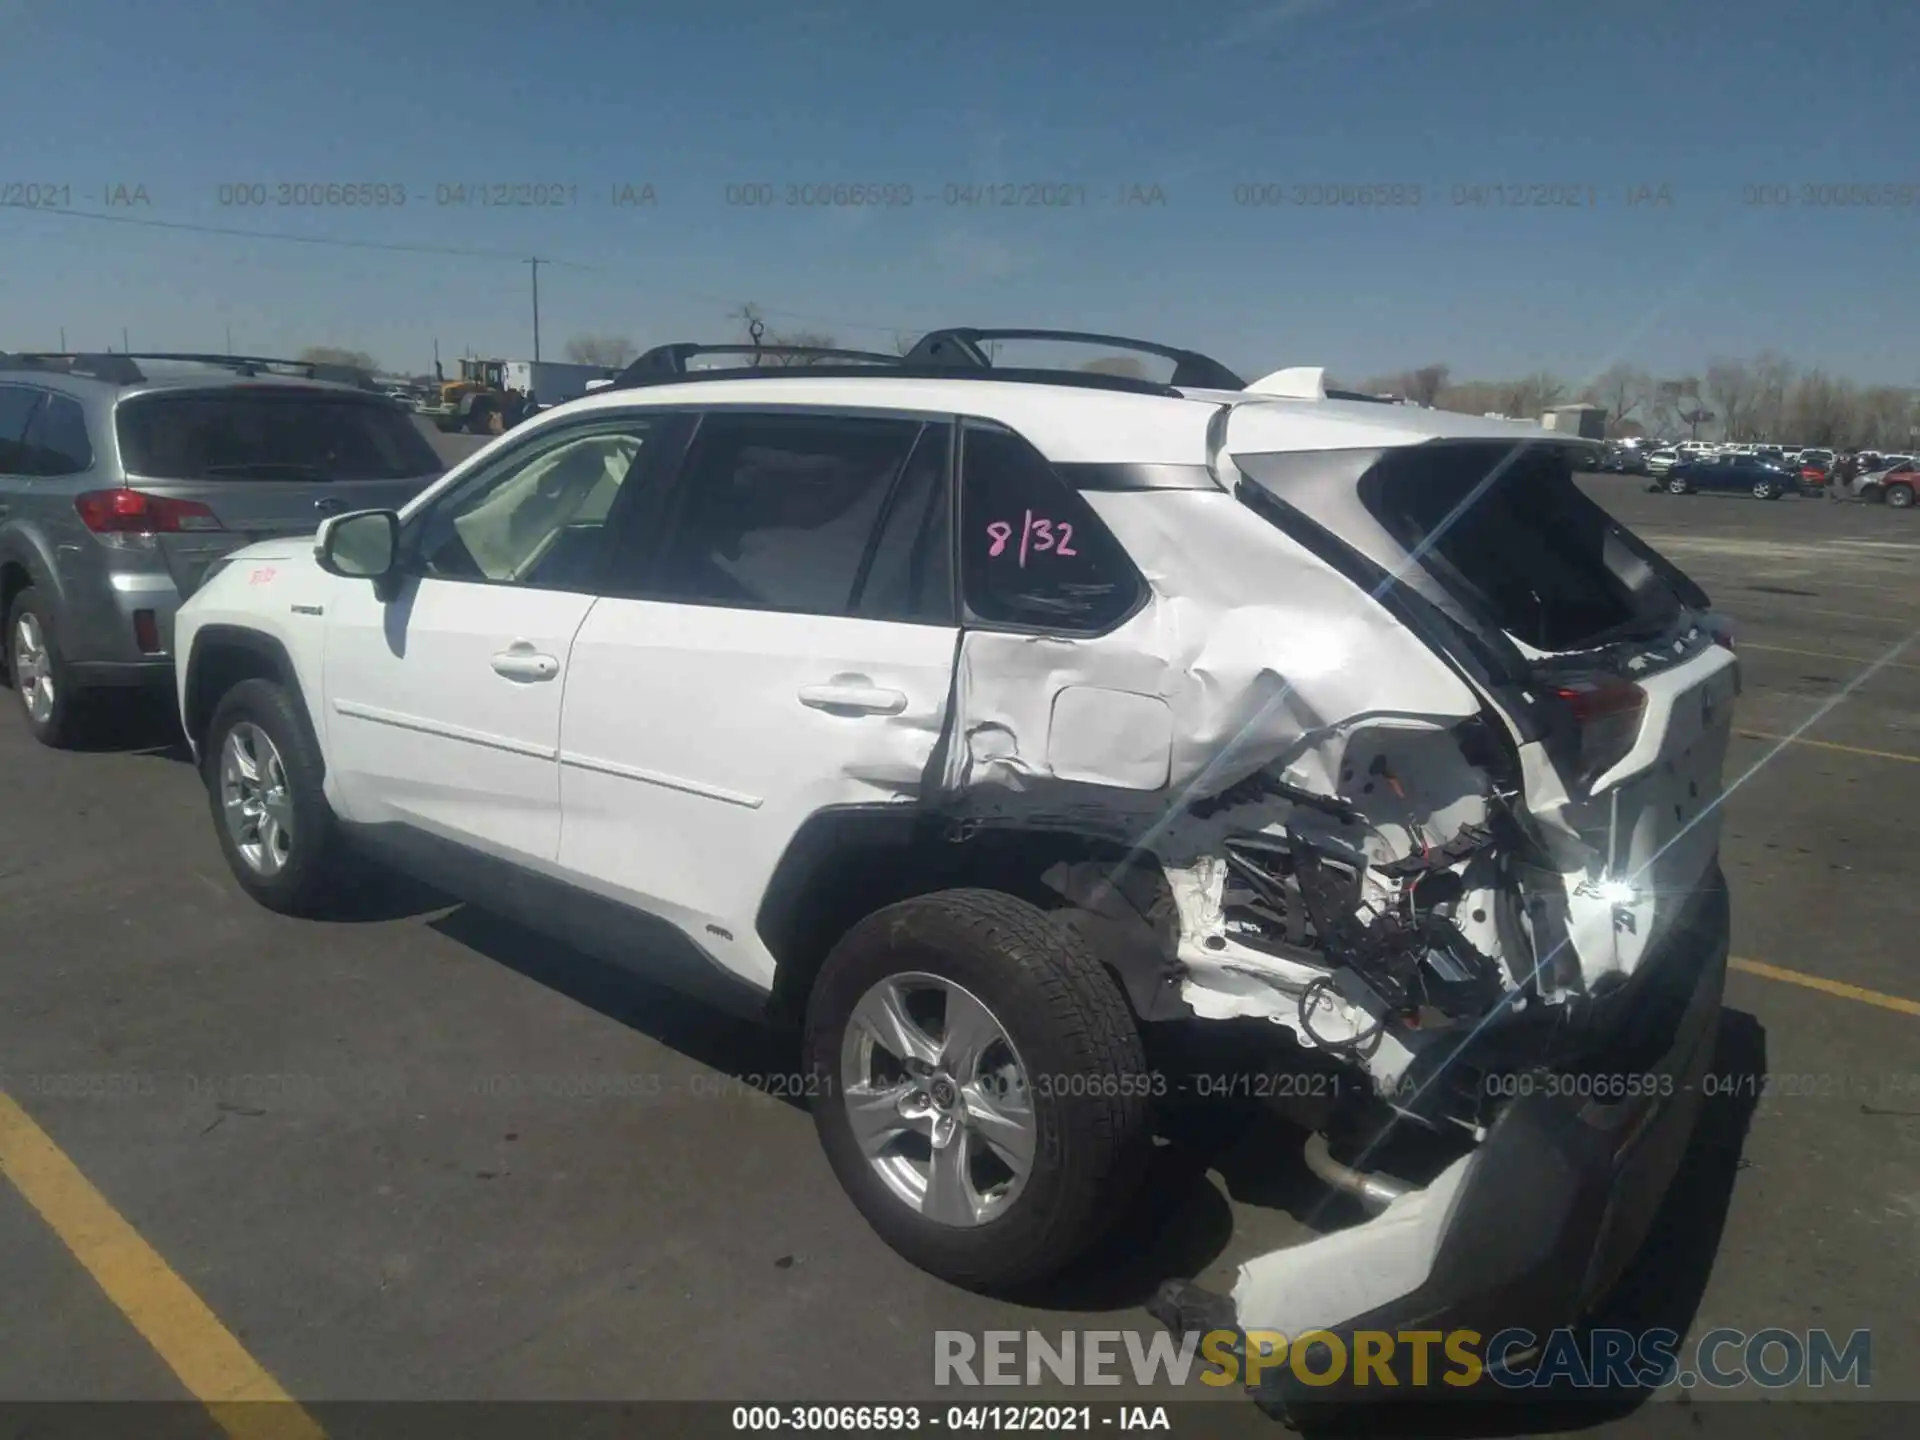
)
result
[(1729, 472), (1661, 461), (1899, 487), (1890, 485)]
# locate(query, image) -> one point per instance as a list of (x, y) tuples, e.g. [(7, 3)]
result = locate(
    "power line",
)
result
[(327, 240), (339, 242)]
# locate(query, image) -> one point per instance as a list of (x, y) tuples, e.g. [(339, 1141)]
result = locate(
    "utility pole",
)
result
[(125, 348), (63, 339), (535, 264), (229, 339)]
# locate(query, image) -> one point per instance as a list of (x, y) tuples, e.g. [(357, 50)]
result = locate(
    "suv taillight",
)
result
[(1608, 713), (133, 517)]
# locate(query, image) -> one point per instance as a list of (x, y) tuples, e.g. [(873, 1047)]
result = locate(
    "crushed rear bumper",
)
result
[(1529, 1230)]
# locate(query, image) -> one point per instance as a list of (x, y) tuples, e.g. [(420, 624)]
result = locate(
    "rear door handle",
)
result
[(852, 697), (525, 664)]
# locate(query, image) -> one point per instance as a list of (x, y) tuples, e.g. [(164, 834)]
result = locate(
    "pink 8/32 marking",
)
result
[(1037, 533)]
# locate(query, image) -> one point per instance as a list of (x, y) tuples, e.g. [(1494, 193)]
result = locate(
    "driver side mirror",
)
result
[(364, 545)]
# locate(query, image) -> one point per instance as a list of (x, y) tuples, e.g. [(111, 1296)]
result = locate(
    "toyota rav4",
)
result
[(1009, 730)]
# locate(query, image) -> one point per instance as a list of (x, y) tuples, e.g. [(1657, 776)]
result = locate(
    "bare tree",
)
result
[(1731, 386), (612, 352), (1423, 386), (331, 355), (1771, 377), (1622, 389), (1819, 409), (1758, 399), (753, 330), (1530, 398), (1883, 415)]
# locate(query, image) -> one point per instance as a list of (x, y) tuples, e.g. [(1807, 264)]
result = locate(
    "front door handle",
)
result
[(525, 664), (853, 695)]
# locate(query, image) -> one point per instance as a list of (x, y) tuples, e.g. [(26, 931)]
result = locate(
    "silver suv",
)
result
[(122, 477)]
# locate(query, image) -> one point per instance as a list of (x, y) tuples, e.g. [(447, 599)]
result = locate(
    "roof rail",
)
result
[(111, 367), (962, 349), (1073, 379), (120, 367), (671, 360)]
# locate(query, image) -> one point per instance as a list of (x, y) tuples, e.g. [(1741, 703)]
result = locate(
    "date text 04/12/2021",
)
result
[(906, 1419)]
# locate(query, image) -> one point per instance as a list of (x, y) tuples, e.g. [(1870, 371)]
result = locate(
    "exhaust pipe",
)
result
[(1374, 1192)]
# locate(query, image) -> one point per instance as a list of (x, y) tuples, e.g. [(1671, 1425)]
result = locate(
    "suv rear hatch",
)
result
[(1596, 655), (224, 467)]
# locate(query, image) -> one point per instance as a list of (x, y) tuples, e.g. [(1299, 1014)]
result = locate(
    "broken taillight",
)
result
[(128, 518), (1607, 712)]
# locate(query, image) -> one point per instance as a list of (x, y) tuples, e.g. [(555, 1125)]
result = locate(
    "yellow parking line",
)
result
[(1831, 745), (211, 1363), (1829, 987), (1829, 655)]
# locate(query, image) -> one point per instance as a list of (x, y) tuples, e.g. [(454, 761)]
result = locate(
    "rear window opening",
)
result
[(297, 435), (1531, 553)]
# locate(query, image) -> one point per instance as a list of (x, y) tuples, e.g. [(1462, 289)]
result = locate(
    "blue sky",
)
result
[(1703, 97)]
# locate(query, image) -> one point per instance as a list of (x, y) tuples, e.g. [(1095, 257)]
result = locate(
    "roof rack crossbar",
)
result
[(120, 366), (109, 365), (672, 359), (1073, 379), (962, 348)]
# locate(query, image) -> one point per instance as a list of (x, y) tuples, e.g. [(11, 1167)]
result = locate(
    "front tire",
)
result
[(263, 777), (1900, 497), (979, 1085), (1676, 487), (1766, 491), (54, 707)]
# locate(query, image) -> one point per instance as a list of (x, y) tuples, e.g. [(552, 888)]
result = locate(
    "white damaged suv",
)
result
[(1013, 729)]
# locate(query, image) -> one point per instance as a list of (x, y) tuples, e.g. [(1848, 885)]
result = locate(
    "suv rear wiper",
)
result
[(271, 470)]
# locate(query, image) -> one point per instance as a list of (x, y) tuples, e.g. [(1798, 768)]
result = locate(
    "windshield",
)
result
[(308, 435)]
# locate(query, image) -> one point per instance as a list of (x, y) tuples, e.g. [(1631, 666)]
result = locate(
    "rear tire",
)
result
[(290, 858), (1900, 497), (1073, 1068), (55, 708), (1676, 487)]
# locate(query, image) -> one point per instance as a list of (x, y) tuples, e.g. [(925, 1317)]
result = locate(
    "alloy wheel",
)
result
[(256, 800), (33, 668), (938, 1099)]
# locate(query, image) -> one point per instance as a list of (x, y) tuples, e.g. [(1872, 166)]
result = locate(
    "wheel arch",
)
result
[(222, 657), (845, 863), (24, 565)]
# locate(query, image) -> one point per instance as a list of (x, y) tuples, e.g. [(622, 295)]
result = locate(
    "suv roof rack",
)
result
[(121, 368), (670, 361), (112, 367), (1078, 380), (961, 348)]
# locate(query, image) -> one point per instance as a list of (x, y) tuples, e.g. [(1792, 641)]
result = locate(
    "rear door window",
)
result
[(910, 574), (780, 511), (261, 434), (17, 407), (56, 442), (1032, 552)]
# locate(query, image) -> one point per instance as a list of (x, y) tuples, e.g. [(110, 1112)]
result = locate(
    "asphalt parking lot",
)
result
[(423, 1155)]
